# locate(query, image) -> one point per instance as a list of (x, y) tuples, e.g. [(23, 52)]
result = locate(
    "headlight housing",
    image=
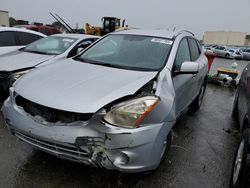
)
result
[(15, 76), (130, 114)]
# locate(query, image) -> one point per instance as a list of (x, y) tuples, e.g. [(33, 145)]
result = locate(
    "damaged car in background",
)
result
[(44, 51), (114, 105), (12, 39)]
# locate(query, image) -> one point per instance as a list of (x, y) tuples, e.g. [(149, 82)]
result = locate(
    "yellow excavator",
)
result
[(109, 24)]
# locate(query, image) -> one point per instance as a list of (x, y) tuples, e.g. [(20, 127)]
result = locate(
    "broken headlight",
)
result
[(130, 114)]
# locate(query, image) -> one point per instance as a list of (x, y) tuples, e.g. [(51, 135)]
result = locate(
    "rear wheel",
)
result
[(241, 167), (227, 56)]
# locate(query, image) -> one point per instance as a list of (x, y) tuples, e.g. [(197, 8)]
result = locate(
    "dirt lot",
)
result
[(201, 153)]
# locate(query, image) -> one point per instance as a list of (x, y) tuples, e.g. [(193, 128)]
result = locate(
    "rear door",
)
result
[(7, 38), (197, 57)]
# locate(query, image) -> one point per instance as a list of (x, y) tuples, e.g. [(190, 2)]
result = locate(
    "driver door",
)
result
[(183, 83)]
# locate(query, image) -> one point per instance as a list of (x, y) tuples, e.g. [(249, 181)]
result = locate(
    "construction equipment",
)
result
[(109, 24)]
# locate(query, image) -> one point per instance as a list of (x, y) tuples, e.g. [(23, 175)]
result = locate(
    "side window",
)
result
[(183, 54), (85, 43), (195, 54), (27, 38), (199, 46), (80, 46), (7, 38)]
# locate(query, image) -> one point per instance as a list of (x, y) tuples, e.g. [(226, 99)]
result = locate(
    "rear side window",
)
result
[(27, 38), (199, 46), (7, 38), (182, 55), (195, 52)]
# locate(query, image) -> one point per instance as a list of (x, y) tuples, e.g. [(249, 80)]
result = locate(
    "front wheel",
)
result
[(241, 167), (196, 104), (165, 147)]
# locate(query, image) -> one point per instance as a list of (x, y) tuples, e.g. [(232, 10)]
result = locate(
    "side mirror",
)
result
[(188, 67)]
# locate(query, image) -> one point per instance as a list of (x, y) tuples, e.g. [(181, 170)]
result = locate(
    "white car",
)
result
[(229, 53), (44, 51), (235, 54), (14, 38)]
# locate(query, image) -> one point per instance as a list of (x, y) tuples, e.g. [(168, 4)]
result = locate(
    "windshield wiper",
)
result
[(98, 63), (109, 65), (37, 52)]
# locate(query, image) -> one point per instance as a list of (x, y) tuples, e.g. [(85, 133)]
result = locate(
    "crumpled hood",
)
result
[(75, 86), (20, 60)]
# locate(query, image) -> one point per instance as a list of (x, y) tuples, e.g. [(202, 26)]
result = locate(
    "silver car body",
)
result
[(246, 53), (235, 53), (78, 87)]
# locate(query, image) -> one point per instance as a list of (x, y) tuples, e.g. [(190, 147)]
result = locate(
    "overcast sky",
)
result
[(197, 16)]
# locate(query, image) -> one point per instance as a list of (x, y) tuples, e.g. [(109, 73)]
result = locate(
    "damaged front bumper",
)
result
[(92, 143)]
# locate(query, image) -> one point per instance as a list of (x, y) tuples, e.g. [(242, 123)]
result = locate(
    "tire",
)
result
[(196, 104), (241, 166), (227, 56)]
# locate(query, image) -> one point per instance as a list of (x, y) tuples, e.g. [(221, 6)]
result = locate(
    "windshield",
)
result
[(52, 45), (129, 52)]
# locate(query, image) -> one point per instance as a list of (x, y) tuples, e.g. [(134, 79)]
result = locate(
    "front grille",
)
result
[(50, 114), (70, 152)]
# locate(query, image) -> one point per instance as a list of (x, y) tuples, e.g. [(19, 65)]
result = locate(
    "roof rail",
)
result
[(182, 31)]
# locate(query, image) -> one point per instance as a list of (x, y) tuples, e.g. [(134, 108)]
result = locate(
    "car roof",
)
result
[(21, 30), (153, 32), (77, 36)]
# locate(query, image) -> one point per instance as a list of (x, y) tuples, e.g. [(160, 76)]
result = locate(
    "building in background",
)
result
[(4, 18), (247, 43), (229, 38)]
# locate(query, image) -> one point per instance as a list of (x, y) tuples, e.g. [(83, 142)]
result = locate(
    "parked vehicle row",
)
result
[(229, 52), (116, 100)]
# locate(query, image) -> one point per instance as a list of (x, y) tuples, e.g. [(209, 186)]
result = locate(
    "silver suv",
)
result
[(114, 105)]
